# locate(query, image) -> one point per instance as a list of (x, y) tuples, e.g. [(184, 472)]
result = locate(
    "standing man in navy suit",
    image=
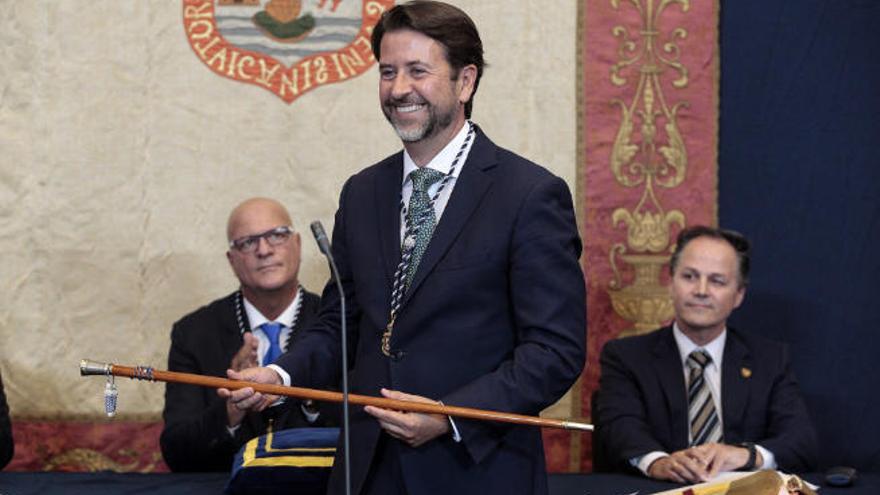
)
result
[(459, 261), (747, 410)]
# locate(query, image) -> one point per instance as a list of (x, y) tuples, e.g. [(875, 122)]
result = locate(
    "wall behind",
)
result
[(122, 154), (799, 175)]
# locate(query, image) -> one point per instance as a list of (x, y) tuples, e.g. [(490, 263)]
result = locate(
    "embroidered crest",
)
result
[(288, 47)]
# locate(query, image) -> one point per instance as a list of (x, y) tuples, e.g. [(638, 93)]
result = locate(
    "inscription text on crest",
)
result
[(288, 47)]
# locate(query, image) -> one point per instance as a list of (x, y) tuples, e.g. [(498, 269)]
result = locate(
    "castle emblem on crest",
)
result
[(288, 47)]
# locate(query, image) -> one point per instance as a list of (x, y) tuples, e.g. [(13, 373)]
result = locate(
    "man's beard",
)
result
[(432, 125)]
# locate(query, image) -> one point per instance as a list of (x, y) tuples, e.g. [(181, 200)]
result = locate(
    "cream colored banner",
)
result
[(121, 155)]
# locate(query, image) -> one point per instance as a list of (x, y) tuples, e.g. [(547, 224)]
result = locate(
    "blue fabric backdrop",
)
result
[(799, 168)]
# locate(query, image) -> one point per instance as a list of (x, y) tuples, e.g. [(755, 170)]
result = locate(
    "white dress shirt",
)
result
[(257, 319), (441, 162)]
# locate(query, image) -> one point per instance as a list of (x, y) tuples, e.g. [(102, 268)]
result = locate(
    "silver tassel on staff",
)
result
[(110, 395)]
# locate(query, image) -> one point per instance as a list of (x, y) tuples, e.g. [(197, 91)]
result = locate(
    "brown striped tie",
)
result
[(702, 414)]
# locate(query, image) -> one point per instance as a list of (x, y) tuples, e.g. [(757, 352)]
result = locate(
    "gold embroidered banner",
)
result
[(648, 129)]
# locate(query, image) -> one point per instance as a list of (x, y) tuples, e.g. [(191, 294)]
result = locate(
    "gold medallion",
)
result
[(386, 339)]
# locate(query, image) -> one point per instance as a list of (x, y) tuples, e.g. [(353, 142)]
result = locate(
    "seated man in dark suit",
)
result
[(7, 448), (696, 398), (249, 327)]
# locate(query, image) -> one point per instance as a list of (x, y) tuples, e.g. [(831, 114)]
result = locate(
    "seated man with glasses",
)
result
[(250, 327)]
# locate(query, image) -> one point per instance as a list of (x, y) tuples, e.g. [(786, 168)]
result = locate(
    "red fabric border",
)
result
[(602, 24), (121, 446)]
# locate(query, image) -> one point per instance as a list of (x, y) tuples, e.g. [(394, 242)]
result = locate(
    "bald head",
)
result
[(256, 215), (268, 270)]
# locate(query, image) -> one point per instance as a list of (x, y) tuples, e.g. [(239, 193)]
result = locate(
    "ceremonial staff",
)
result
[(87, 368)]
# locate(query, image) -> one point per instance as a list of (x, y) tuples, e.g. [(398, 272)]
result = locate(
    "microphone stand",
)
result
[(324, 246)]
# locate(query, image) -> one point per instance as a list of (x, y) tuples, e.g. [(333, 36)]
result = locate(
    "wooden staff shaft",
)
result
[(144, 373)]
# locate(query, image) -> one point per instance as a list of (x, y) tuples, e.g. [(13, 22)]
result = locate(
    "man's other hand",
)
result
[(701, 463), (412, 428), (246, 357)]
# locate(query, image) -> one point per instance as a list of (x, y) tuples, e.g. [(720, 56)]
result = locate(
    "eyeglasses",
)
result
[(275, 237)]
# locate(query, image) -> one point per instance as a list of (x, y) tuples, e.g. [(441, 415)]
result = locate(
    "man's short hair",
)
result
[(448, 25), (737, 241)]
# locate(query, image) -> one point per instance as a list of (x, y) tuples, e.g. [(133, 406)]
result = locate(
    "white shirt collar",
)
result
[(686, 345), (442, 160), (255, 318)]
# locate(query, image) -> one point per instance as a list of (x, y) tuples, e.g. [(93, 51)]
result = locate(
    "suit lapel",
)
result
[(298, 323), (471, 185), (671, 375), (387, 187), (231, 337), (735, 374)]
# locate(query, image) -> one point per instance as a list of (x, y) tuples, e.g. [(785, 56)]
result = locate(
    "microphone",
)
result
[(321, 238), (324, 246), (110, 395)]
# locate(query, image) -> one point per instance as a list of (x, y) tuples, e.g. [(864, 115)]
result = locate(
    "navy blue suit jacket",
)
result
[(494, 319), (642, 404)]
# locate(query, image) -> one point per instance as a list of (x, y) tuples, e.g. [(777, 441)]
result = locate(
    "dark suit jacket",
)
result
[(494, 319), (195, 437), (7, 447), (642, 403)]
